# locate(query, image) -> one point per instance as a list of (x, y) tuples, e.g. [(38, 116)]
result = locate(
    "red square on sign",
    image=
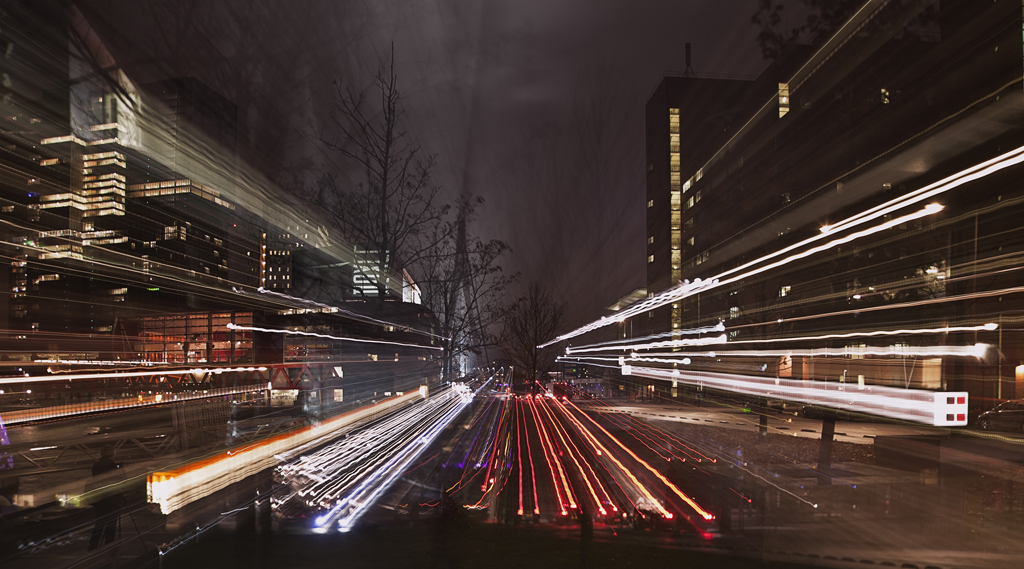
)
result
[(961, 417), (961, 400)]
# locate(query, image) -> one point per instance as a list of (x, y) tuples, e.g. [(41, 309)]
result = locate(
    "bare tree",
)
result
[(395, 213), (463, 284), (529, 322), (822, 18)]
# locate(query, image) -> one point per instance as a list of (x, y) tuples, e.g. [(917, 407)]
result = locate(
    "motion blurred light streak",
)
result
[(492, 459), (354, 315), (615, 417), (686, 290), (361, 460), (975, 351), (519, 455), (160, 398), (362, 498), (740, 467), (945, 330), (564, 491), (181, 486), (533, 474), (639, 486), (232, 326), (569, 448), (720, 339), (976, 172), (720, 327), (934, 408), (125, 374), (912, 304), (689, 501)]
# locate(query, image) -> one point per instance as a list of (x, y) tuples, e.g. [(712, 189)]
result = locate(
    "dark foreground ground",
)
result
[(460, 545)]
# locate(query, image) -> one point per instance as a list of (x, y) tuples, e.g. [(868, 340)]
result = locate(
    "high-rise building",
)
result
[(901, 100), (685, 117), (120, 202)]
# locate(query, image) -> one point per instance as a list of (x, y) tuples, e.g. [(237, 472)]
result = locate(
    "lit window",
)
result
[(885, 96), (783, 99), (650, 240), (784, 291), (650, 258), (734, 312), (650, 203)]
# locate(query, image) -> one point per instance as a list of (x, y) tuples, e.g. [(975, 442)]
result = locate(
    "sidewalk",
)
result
[(846, 431)]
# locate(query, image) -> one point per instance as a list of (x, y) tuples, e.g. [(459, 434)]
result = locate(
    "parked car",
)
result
[(1008, 416)]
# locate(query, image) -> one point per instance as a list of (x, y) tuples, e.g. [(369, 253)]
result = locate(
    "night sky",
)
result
[(537, 106)]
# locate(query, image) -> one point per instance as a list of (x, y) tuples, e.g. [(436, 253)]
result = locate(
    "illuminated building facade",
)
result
[(901, 98), (120, 203), (684, 116)]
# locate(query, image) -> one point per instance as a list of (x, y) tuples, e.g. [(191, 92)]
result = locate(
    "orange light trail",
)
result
[(643, 489), (519, 455), (676, 440), (462, 480), (563, 492), (533, 474), (570, 446), (740, 495), (704, 513), (494, 450), (599, 451), (672, 438)]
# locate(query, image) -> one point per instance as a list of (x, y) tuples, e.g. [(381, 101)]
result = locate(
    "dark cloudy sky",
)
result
[(536, 105)]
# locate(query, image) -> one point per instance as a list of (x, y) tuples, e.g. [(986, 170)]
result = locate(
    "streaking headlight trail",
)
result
[(345, 478)]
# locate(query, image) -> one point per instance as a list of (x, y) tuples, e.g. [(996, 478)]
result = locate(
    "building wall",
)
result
[(684, 117), (915, 94), (118, 203)]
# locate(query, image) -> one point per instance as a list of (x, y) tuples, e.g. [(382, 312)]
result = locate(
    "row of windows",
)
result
[(675, 234)]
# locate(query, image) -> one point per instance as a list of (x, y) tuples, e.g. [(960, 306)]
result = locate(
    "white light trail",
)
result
[(955, 298), (945, 330), (975, 351), (114, 375), (145, 399), (335, 309), (233, 326), (176, 488), (929, 407), (397, 466), (720, 327), (978, 171), (711, 340), (686, 290), (363, 466)]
